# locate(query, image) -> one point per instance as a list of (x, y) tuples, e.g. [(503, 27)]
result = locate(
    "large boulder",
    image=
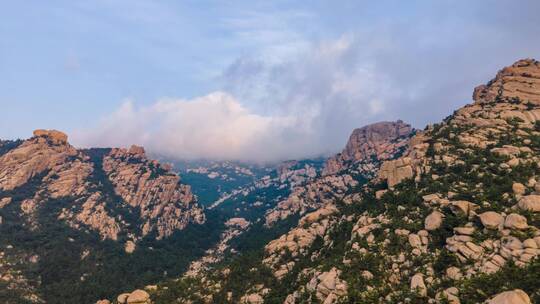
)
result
[(491, 219), (518, 188), (516, 221), (530, 203), (433, 221), (138, 296), (418, 285), (516, 296), (54, 136)]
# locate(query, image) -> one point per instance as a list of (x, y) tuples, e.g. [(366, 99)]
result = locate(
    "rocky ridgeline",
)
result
[(455, 219), (366, 149), (61, 171)]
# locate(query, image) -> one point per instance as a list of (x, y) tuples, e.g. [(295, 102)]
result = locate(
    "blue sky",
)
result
[(256, 80)]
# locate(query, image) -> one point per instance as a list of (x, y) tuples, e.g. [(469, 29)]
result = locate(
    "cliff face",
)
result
[(376, 142), (454, 219)]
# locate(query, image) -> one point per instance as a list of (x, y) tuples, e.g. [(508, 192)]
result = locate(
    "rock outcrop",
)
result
[(521, 80), (164, 204), (375, 142)]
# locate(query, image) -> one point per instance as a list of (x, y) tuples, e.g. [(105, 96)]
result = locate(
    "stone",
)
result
[(518, 188), (4, 202), (122, 298), (433, 221), (515, 221), (450, 294), (516, 296), (56, 137), (367, 275), (530, 203), (453, 273), (464, 230), (418, 285), (462, 207), (415, 241), (395, 171), (137, 150), (138, 296), (491, 219), (130, 246)]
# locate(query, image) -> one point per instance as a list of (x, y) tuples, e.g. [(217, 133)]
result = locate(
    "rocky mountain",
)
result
[(369, 146), (366, 149), (454, 218), (97, 203)]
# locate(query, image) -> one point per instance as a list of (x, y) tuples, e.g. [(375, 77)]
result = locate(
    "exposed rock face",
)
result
[(165, 205), (522, 80), (379, 141), (56, 137), (33, 157), (517, 296)]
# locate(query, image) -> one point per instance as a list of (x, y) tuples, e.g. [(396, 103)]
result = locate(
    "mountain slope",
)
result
[(77, 225), (455, 219)]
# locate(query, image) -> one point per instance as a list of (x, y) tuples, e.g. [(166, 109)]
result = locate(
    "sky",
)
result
[(255, 81)]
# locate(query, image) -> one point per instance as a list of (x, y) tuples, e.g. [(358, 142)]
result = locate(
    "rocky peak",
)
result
[(521, 80), (144, 185), (53, 136), (379, 141), (137, 151)]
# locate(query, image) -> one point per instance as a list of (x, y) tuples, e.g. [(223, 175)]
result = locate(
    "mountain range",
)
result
[(445, 214)]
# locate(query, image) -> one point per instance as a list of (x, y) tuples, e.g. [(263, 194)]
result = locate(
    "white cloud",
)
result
[(305, 106), (215, 126)]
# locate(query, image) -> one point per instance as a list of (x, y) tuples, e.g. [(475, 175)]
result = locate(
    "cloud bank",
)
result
[(299, 106), (293, 91)]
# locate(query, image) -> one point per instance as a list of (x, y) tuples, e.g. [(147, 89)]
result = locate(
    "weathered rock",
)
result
[(129, 247), (521, 80), (433, 221), (491, 219), (516, 296), (530, 203), (380, 141), (515, 221), (396, 171), (56, 137), (138, 296), (418, 285), (518, 188)]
